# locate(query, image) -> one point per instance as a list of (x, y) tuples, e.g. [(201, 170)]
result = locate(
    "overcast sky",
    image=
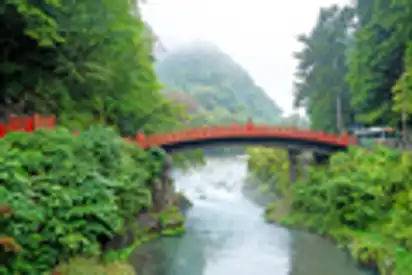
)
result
[(258, 34)]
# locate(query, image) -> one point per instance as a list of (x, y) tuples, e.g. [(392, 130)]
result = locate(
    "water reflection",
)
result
[(173, 255), (226, 235), (314, 255)]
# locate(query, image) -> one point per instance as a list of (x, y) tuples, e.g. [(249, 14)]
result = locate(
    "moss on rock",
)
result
[(92, 266), (172, 222)]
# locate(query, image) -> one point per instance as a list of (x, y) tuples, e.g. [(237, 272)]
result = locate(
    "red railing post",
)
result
[(249, 125), (30, 124), (11, 125), (140, 138), (3, 130), (36, 119), (19, 124), (345, 138), (44, 122)]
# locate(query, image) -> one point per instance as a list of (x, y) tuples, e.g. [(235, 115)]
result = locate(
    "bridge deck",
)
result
[(245, 134)]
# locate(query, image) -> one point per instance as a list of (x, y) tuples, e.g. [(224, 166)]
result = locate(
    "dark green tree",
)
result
[(378, 57), (86, 62), (320, 77)]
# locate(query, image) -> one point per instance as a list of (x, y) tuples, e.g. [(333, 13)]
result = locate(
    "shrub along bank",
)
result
[(363, 201), (268, 178), (70, 195)]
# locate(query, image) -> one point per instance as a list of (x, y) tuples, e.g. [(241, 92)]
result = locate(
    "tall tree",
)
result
[(320, 78), (377, 60), (85, 61)]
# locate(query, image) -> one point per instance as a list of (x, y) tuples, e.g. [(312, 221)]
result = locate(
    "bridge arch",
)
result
[(247, 134), (295, 140)]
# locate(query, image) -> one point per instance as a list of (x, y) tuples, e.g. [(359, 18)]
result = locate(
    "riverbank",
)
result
[(80, 201), (116, 260), (361, 201)]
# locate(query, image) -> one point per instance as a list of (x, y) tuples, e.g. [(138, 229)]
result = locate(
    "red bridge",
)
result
[(295, 140), (247, 134)]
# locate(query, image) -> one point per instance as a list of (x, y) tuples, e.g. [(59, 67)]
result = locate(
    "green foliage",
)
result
[(269, 176), (85, 62), (269, 172), (89, 63), (402, 93), (376, 61), (362, 53), (172, 221), (70, 194), (363, 200), (322, 67)]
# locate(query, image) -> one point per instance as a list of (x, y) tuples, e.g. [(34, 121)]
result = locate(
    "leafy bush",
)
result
[(69, 194), (269, 172), (368, 195), (362, 200), (359, 189), (7, 243)]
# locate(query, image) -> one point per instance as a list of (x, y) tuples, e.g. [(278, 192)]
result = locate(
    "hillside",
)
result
[(216, 88)]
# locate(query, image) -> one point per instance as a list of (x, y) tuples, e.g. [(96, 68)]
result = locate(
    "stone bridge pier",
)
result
[(320, 158), (299, 162), (294, 163)]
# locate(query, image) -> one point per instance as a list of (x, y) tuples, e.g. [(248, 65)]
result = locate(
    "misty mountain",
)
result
[(217, 88)]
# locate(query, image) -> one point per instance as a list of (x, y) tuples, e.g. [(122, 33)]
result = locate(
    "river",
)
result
[(226, 234)]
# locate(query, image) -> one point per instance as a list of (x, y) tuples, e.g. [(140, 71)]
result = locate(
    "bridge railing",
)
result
[(26, 124), (238, 130)]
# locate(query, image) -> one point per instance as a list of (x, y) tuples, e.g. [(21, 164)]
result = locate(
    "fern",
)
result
[(76, 192)]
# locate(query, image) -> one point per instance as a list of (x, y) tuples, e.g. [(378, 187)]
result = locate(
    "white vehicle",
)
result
[(383, 135)]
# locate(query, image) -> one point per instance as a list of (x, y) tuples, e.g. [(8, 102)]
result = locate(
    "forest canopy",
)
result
[(359, 55), (86, 62)]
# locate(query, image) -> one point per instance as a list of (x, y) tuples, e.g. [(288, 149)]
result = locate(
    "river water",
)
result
[(226, 234)]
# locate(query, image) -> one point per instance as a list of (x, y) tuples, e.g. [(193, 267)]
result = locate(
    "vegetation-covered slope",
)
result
[(70, 195), (363, 201), (87, 62), (218, 90)]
